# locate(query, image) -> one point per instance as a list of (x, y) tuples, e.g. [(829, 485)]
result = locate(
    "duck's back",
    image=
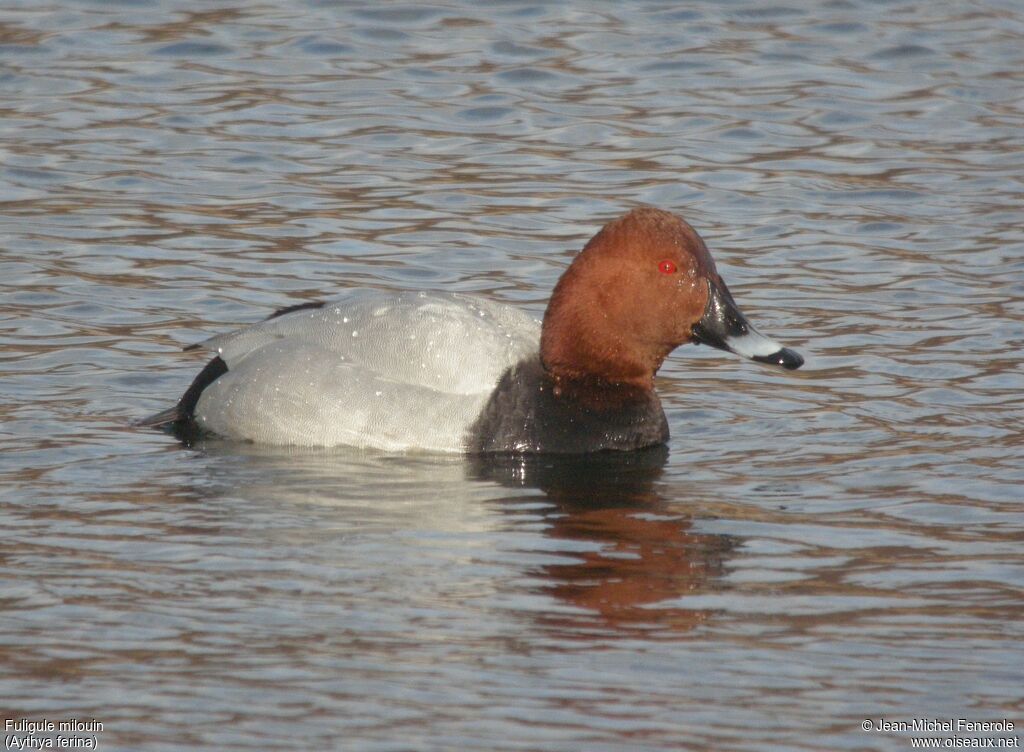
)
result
[(390, 371)]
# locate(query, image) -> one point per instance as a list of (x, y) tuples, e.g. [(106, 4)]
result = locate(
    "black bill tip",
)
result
[(788, 359)]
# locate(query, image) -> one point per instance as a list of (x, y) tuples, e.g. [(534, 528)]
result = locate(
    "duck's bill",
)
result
[(724, 327)]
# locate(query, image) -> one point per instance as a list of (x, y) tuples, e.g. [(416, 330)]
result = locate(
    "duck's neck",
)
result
[(589, 337), (578, 356)]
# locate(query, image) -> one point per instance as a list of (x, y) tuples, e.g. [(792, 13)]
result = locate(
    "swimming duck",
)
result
[(450, 372)]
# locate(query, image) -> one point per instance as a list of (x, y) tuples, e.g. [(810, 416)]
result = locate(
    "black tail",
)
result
[(162, 419), (181, 418)]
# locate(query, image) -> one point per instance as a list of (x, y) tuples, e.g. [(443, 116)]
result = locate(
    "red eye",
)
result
[(667, 267)]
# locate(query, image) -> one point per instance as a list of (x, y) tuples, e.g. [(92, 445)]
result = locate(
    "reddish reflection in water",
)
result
[(631, 549)]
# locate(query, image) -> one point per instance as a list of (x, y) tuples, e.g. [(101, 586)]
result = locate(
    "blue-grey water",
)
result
[(813, 549)]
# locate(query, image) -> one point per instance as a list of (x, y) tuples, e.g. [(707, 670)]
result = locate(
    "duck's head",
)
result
[(643, 286)]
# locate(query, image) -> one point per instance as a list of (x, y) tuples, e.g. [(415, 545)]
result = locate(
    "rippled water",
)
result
[(812, 549)]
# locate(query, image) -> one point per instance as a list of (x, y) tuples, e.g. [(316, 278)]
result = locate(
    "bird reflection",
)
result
[(644, 550)]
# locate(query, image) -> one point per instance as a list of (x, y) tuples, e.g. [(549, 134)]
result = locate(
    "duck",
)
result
[(458, 373)]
